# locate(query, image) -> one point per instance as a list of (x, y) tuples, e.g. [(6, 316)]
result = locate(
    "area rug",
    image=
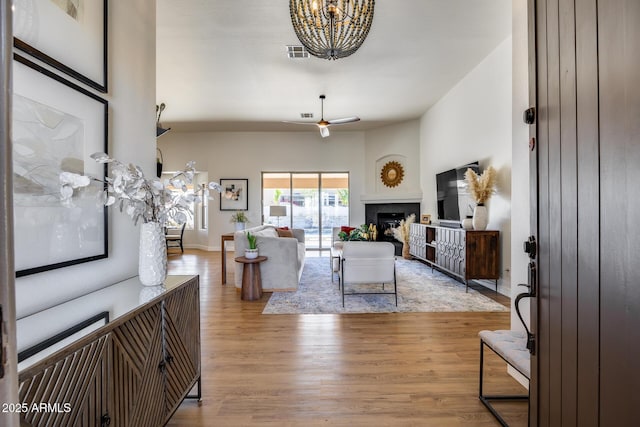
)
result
[(419, 290)]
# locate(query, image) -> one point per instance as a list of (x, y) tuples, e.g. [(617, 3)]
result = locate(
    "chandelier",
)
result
[(331, 29)]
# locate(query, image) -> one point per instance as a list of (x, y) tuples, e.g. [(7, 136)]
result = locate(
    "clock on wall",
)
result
[(392, 174)]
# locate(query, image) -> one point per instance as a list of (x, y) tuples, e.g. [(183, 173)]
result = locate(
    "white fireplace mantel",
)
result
[(415, 197)]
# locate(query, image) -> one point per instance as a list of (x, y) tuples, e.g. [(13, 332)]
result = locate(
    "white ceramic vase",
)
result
[(152, 262), (240, 226), (467, 223), (251, 253), (480, 217)]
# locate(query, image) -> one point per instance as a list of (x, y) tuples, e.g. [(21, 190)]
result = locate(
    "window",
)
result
[(314, 201)]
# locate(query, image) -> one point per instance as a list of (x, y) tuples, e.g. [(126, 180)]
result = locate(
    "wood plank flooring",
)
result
[(395, 369)]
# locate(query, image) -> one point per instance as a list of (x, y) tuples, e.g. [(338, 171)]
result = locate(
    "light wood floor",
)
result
[(397, 369)]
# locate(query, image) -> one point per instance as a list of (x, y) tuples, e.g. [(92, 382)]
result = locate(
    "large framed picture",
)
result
[(234, 195), (57, 125), (69, 35)]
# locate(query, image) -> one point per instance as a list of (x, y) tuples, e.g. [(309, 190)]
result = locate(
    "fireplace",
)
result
[(387, 216)]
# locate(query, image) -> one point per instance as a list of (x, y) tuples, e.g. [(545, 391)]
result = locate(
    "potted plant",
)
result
[(252, 250), (239, 218), (481, 188)]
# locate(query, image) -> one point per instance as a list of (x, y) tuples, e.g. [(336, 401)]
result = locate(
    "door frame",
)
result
[(9, 379)]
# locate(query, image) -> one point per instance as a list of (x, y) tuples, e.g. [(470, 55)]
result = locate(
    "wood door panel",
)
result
[(588, 218), (137, 380), (182, 341), (483, 254), (587, 313), (85, 368), (619, 68)]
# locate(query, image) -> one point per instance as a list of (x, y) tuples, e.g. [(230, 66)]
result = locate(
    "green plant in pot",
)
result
[(239, 218), (252, 249)]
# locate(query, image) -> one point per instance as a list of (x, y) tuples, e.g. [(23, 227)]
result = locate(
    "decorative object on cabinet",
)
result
[(149, 200), (152, 256), (235, 194), (467, 223), (425, 219), (331, 29), (71, 39), (392, 174), (481, 188), (465, 254), (54, 123), (480, 218), (402, 233)]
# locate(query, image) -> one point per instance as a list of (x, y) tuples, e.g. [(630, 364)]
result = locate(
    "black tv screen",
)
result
[(454, 203)]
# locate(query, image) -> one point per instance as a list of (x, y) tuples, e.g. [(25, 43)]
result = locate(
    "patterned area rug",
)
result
[(419, 290)]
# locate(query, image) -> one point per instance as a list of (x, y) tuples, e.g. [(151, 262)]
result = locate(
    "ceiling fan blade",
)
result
[(300, 123), (324, 131), (343, 121)]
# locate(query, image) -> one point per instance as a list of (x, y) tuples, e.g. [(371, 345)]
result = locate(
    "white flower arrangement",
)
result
[(149, 200)]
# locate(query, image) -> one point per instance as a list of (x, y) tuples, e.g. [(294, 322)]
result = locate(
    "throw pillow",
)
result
[(347, 229), (284, 232)]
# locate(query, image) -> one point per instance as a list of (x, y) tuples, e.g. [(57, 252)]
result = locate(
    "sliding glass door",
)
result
[(313, 201)]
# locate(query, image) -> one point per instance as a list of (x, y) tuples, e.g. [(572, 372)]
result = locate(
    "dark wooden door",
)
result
[(586, 318)]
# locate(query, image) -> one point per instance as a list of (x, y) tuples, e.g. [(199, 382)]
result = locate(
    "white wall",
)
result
[(400, 142), (131, 139), (520, 212), (247, 154), (474, 122)]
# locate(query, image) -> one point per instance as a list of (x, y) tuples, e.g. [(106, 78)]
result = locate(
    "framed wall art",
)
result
[(69, 35), (57, 125), (235, 194)]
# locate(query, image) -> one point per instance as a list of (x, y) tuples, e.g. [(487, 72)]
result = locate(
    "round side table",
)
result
[(251, 281)]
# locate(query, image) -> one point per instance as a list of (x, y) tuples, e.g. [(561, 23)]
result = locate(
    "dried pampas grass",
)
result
[(402, 231), (481, 186)]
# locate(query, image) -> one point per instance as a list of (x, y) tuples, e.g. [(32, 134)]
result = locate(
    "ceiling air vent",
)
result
[(295, 52), (306, 115)]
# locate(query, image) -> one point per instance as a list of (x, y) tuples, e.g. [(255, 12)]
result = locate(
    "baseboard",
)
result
[(202, 247)]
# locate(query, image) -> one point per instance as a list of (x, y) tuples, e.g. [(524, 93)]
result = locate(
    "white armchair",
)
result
[(368, 262)]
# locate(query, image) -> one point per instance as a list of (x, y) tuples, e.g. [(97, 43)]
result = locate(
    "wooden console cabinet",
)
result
[(465, 254), (133, 371)]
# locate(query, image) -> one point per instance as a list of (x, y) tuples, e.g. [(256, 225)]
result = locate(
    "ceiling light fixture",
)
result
[(331, 29)]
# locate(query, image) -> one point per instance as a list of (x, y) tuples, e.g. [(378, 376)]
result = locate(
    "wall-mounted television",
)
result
[(454, 202)]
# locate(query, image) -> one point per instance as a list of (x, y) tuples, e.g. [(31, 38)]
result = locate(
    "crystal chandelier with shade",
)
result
[(331, 29)]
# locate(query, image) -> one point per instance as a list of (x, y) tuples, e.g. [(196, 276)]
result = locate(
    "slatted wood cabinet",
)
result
[(134, 371), (465, 254)]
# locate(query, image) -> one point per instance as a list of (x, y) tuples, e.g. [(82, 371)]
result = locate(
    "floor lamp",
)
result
[(278, 211)]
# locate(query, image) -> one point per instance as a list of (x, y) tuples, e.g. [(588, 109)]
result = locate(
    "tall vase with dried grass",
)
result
[(481, 187), (401, 233)]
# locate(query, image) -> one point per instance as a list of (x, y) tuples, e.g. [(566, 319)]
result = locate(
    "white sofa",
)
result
[(283, 268)]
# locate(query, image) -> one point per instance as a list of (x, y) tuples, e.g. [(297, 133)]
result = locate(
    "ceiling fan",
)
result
[(323, 124)]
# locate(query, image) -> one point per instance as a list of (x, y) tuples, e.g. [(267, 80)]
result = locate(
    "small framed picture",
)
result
[(234, 195), (425, 219)]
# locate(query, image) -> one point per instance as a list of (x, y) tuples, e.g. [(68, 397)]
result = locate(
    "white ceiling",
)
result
[(222, 64)]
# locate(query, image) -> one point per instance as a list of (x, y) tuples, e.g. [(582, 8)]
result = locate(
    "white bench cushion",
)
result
[(512, 346)]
